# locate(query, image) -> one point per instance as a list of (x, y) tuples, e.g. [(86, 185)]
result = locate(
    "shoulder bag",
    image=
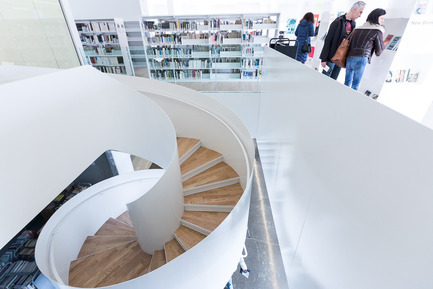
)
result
[(340, 55), (306, 47)]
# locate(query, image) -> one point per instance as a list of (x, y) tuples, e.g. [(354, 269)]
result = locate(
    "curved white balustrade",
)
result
[(66, 231), (124, 121), (55, 125), (193, 113)]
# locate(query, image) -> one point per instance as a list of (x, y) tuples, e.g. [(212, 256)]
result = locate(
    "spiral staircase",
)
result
[(181, 226), (114, 248)]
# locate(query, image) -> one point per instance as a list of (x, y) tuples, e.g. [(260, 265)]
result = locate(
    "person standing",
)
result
[(303, 32), (339, 29), (365, 41)]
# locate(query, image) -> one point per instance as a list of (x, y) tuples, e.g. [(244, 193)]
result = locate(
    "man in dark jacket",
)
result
[(340, 28)]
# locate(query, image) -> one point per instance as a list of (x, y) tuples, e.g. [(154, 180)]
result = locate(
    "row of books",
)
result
[(255, 74), (179, 75), (162, 74), (12, 253), (190, 74), (249, 51), (181, 64), (112, 69), (103, 50), (99, 39), (20, 267), (249, 24), (177, 51), (17, 282), (217, 38), (163, 39), (249, 36), (106, 60), (96, 27), (218, 49), (252, 63), (212, 24)]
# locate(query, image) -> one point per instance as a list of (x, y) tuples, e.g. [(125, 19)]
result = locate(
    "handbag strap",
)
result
[(350, 36)]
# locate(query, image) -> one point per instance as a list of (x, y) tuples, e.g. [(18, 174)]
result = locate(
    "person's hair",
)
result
[(357, 5), (374, 15), (309, 17)]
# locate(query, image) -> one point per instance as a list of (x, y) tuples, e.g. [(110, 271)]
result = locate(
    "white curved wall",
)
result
[(351, 182), (53, 128), (65, 232), (196, 115), (110, 116), (156, 216)]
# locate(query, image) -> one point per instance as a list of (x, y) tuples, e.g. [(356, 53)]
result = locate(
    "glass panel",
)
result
[(34, 33)]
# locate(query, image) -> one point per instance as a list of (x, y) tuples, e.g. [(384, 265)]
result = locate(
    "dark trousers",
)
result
[(334, 70)]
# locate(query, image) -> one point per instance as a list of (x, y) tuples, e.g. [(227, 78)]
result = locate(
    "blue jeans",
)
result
[(355, 67), (334, 70)]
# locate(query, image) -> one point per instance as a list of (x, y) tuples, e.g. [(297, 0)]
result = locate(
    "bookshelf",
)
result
[(105, 45), (18, 268), (17, 265), (213, 48)]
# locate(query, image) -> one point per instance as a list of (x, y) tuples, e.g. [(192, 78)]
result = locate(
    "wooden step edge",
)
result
[(208, 208), (116, 222), (82, 257), (189, 153), (125, 223), (165, 250), (120, 220), (126, 239), (202, 168), (148, 267), (165, 253), (211, 186), (180, 242), (195, 227)]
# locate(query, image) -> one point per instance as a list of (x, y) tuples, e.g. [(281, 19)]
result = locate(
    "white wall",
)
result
[(52, 113), (350, 183)]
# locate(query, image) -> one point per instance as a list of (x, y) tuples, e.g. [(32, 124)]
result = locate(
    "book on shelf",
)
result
[(387, 40), (394, 42), (412, 75)]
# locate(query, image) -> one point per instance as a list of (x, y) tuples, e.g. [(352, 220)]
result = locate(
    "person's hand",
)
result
[(324, 64)]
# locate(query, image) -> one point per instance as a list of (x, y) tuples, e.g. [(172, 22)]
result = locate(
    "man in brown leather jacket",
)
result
[(339, 29), (365, 41)]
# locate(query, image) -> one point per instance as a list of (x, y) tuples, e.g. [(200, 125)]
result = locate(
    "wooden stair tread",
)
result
[(206, 220), (225, 196), (158, 260), (98, 269), (96, 244), (184, 144), (199, 158), (217, 173), (135, 267), (188, 237), (172, 250), (115, 227), (125, 218)]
